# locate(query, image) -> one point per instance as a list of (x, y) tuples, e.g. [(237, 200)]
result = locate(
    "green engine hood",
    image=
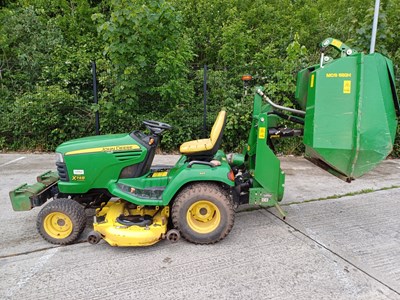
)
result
[(97, 162)]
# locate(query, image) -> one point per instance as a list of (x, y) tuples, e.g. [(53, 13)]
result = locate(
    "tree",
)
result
[(149, 53)]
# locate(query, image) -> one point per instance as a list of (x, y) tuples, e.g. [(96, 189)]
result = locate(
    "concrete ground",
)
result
[(339, 241)]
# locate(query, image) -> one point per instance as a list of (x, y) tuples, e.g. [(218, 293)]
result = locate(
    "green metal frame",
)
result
[(264, 166), (25, 197)]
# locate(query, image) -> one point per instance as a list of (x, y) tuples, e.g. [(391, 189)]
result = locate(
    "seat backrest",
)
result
[(218, 127), (217, 132)]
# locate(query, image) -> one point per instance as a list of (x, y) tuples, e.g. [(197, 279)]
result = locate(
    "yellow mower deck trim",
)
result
[(117, 234)]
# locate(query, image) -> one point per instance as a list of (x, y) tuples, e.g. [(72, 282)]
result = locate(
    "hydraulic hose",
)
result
[(292, 110), (293, 119)]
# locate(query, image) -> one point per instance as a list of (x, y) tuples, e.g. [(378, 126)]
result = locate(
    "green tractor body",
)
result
[(121, 165), (349, 111)]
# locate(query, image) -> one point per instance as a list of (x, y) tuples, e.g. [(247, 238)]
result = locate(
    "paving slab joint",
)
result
[(338, 196)]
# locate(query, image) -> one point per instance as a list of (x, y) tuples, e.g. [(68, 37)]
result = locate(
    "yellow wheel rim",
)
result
[(58, 225), (203, 216)]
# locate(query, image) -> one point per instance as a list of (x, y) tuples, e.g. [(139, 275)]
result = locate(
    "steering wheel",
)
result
[(156, 127)]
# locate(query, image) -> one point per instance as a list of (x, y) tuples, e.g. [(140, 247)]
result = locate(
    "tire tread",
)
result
[(73, 210), (203, 188)]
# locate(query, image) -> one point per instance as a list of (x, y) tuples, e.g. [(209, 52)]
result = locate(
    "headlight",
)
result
[(59, 157)]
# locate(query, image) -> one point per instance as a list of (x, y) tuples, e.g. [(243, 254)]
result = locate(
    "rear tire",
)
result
[(203, 213), (61, 221)]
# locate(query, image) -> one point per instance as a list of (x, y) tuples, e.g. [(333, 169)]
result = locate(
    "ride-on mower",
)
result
[(347, 105)]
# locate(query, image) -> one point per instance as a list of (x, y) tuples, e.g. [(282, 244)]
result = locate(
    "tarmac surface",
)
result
[(339, 241)]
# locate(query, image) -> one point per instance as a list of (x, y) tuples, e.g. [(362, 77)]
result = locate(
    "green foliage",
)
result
[(396, 148), (45, 53), (150, 56), (42, 119)]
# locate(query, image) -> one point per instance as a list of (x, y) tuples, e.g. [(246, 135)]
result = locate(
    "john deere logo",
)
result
[(119, 148)]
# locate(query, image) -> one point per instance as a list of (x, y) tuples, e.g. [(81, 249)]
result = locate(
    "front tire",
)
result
[(203, 213), (61, 221)]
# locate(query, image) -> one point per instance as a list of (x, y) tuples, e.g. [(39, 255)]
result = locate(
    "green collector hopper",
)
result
[(351, 106)]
